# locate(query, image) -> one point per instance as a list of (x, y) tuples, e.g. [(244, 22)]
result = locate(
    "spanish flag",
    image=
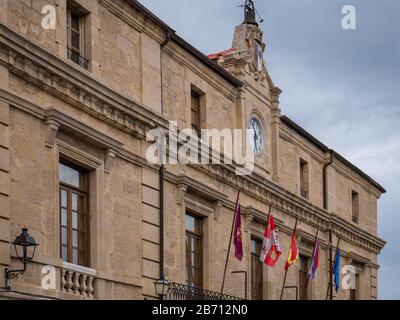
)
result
[(293, 252)]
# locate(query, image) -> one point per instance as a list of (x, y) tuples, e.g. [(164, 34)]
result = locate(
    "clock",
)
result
[(256, 136)]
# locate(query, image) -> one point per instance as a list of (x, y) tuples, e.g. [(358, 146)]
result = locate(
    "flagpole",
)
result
[(329, 290), (284, 282), (286, 272), (230, 243), (315, 243), (262, 264)]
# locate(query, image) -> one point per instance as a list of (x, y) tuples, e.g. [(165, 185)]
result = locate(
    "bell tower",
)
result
[(248, 39), (250, 13), (245, 58), (258, 101)]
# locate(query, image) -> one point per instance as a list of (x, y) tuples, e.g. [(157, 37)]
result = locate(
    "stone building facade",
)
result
[(76, 102)]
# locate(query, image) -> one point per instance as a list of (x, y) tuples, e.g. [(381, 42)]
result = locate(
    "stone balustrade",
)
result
[(78, 281)]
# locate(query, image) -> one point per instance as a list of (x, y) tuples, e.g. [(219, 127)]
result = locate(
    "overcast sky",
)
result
[(343, 86)]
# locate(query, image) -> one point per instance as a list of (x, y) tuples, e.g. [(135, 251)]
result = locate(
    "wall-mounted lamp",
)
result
[(25, 247), (162, 287)]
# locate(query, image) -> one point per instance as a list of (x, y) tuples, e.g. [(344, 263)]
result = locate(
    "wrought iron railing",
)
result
[(179, 291), (75, 56)]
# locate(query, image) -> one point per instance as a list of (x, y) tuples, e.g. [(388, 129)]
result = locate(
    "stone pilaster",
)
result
[(4, 176), (92, 37), (61, 29), (3, 12), (275, 125)]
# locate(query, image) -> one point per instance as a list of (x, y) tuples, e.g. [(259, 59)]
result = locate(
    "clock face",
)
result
[(256, 136)]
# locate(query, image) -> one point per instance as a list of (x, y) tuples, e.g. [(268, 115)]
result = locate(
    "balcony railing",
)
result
[(75, 56), (78, 281), (183, 292)]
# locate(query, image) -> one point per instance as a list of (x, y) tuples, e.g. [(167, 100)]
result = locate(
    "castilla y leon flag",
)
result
[(238, 235), (293, 252), (271, 249)]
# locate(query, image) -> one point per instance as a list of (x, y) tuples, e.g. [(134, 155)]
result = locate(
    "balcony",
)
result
[(78, 281), (75, 56), (183, 292)]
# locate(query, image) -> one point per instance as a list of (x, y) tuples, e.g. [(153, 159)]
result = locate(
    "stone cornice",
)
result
[(196, 186)]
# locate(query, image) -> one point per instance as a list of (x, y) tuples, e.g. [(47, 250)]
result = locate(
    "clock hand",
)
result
[(255, 138), (255, 131)]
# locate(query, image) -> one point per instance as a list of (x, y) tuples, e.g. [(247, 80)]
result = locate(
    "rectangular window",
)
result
[(355, 206), (194, 255), (303, 277), (195, 111), (76, 36), (256, 265), (304, 179), (74, 221)]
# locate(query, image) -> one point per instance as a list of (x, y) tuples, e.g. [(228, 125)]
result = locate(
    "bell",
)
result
[(250, 13)]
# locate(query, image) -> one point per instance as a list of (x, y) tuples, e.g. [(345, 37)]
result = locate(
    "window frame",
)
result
[(303, 273), (81, 56), (304, 179), (195, 108), (81, 17), (198, 236), (255, 256), (81, 191), (354, 293), (355, 207)]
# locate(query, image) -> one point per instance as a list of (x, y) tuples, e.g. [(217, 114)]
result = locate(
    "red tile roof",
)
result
[(216, 56)]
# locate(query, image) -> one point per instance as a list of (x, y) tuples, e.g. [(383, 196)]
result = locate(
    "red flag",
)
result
[(238, 235), (271, 249)]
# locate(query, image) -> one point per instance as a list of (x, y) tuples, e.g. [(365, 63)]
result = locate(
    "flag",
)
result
[(336, 270), (271, 249), (293, 252), (314, 260), (238, 235)]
